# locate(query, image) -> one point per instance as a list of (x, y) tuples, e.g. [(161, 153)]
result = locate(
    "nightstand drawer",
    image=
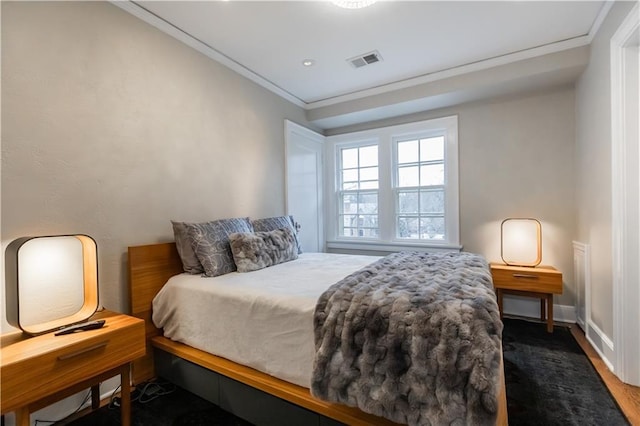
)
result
[(541, 280), (50, 363)]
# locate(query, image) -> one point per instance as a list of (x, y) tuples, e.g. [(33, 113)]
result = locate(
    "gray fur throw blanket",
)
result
[(414, 337)]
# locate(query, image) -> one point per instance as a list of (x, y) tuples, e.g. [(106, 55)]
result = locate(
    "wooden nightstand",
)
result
[(541, 282), (38, 371)]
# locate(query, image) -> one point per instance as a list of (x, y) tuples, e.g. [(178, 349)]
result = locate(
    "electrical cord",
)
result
[(153, 389), (84, 401), (144, 392), (114, 402)]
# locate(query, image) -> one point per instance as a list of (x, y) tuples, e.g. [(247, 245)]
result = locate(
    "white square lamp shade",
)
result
[(51, 282), (521, 242)]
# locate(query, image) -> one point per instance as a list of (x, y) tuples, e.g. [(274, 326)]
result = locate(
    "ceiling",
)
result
[(419, 41)]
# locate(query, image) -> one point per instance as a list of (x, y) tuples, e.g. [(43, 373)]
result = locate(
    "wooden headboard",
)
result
[(150, 267)]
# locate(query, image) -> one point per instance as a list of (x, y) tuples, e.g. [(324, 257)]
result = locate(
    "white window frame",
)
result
[(385, 138), (338, 180)]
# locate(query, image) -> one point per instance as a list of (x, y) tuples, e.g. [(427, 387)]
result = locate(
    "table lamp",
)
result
[(521, 242), (51, 282)]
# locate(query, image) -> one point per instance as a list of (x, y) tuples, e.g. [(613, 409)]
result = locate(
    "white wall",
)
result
[(593, 167), (516, 158), (112, 128)]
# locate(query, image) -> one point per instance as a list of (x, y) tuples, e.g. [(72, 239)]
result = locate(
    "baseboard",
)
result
[(601, 343), (529, 307)]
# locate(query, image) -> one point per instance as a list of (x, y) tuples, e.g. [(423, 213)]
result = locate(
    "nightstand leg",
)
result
[(95, 397), (543, 308), (499, 297), (550, 313), (125, 394), (22, 416)]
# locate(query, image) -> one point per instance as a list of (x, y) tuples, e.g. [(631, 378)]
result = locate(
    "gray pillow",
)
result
[(190, 262), (253, 251), (210, 243), (278, 222)]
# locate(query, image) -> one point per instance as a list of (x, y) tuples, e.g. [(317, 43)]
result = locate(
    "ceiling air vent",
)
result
[(365, 59)]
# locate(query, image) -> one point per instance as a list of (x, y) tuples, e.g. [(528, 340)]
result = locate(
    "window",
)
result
[(419, 188), (358, 194), (395, 187)]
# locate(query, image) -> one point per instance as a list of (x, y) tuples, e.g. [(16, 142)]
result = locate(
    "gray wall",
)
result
[(516, 160), (111, 128), (593, 166)]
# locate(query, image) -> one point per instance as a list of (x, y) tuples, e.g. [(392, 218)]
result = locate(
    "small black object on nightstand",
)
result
[(83, 326)]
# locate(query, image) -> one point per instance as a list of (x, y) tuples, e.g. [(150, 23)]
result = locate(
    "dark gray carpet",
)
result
[(550, 382), (177, 408)]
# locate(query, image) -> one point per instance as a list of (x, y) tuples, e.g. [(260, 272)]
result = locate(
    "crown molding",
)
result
[(145, 15)]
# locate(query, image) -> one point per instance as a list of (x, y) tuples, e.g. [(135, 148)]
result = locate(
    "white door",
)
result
[(304, 158)]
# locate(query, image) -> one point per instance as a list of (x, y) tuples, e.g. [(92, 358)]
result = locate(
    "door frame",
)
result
[(625, 220)]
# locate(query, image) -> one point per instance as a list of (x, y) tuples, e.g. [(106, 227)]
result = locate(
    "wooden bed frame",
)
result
[(150, 267)]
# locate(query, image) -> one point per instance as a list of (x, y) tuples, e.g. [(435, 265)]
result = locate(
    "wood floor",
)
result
[(627, 396)]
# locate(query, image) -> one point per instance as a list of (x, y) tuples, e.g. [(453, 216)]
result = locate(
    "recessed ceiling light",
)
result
[(308, 62), (353, 4)]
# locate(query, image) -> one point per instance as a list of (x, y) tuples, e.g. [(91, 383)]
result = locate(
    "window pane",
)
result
[(368, 203), (349, 203), (431, 202), (349, 186), (432, 149), (408, 176), (374, 221), (353, 175), (368, 233), (368, 221), (369, 173), (432, 175), (350, 158), (364, 225), (369, 156), (349, 221), (407, 202), (349, 232), (408, 227), (350, 175), (407, 152), (432, 228)]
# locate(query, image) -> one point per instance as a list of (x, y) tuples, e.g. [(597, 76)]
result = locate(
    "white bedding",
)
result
[(262, 319)]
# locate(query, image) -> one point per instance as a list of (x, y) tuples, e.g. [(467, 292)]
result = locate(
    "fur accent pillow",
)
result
[(210, 242), (278, 222), (258, 250)]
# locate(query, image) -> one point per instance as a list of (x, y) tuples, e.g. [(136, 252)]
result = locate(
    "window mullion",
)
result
[(386, 197)]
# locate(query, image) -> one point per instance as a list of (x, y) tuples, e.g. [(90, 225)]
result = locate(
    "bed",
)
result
[(151, 267)]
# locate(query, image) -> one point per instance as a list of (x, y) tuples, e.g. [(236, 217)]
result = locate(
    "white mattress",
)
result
[(262, 319)]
